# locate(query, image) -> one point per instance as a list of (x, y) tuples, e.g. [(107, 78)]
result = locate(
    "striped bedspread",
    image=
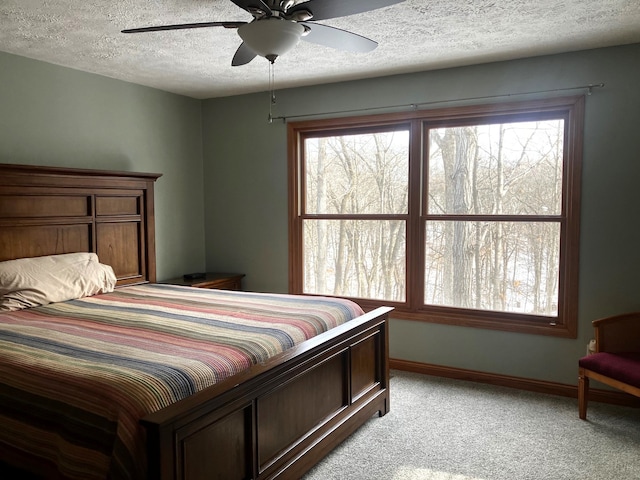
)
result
[(76, 376)]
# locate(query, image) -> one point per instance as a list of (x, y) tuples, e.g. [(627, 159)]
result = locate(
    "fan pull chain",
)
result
[(272, 92)]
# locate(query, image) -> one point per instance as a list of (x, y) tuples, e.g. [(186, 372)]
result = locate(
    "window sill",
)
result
[(478, 319)]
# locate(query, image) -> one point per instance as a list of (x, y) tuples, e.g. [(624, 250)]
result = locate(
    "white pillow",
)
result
[(29, 282)]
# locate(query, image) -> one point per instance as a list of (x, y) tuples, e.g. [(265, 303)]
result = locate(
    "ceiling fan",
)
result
[(278, 25)]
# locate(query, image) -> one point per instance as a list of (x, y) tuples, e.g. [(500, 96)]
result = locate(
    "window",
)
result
[(466, 216)]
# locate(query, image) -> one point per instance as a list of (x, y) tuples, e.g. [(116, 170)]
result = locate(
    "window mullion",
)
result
[(415, 229)]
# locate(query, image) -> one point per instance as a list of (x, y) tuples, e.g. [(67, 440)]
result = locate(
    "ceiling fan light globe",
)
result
[(271, 37)]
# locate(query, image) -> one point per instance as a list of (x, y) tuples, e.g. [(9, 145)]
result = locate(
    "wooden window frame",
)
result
[(571, 109)]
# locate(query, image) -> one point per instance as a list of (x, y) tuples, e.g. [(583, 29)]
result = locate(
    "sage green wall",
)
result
[(50, 115), (245, 173)]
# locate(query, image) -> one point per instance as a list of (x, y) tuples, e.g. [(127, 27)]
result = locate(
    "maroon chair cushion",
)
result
[(624, 367)]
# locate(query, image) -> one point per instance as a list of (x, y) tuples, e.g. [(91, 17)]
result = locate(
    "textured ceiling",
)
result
[(413, 36)]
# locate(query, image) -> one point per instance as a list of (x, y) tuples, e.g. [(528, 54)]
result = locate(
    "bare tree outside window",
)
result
[(357, 176), (495, 171)]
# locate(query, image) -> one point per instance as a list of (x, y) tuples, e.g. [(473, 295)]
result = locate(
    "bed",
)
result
[(274, 419)]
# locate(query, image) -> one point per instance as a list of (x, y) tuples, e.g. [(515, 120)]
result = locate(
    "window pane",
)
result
[(355, 258), (498, 169), (357, 174), (499, 266)]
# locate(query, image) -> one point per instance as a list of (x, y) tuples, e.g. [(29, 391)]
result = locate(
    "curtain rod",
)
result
[(589, 88)]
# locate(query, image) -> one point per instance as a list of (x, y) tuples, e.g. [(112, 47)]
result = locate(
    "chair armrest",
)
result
[(618, 333)]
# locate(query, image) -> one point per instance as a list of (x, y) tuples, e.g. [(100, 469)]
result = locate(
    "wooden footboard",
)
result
[(279, 418)]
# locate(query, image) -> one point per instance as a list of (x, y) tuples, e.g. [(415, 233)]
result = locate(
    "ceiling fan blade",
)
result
[(337, 38), (183, 26), (243, 55), (324, 9)]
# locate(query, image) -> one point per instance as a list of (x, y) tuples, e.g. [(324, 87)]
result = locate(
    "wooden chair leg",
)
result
[(583, 394)]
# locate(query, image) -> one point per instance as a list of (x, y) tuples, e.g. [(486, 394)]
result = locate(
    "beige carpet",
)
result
[(441, 429)]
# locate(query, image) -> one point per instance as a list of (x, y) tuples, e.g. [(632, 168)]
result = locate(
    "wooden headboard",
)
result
[(51, 210)]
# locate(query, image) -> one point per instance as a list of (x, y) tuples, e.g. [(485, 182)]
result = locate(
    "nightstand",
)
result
[(222, 281)]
